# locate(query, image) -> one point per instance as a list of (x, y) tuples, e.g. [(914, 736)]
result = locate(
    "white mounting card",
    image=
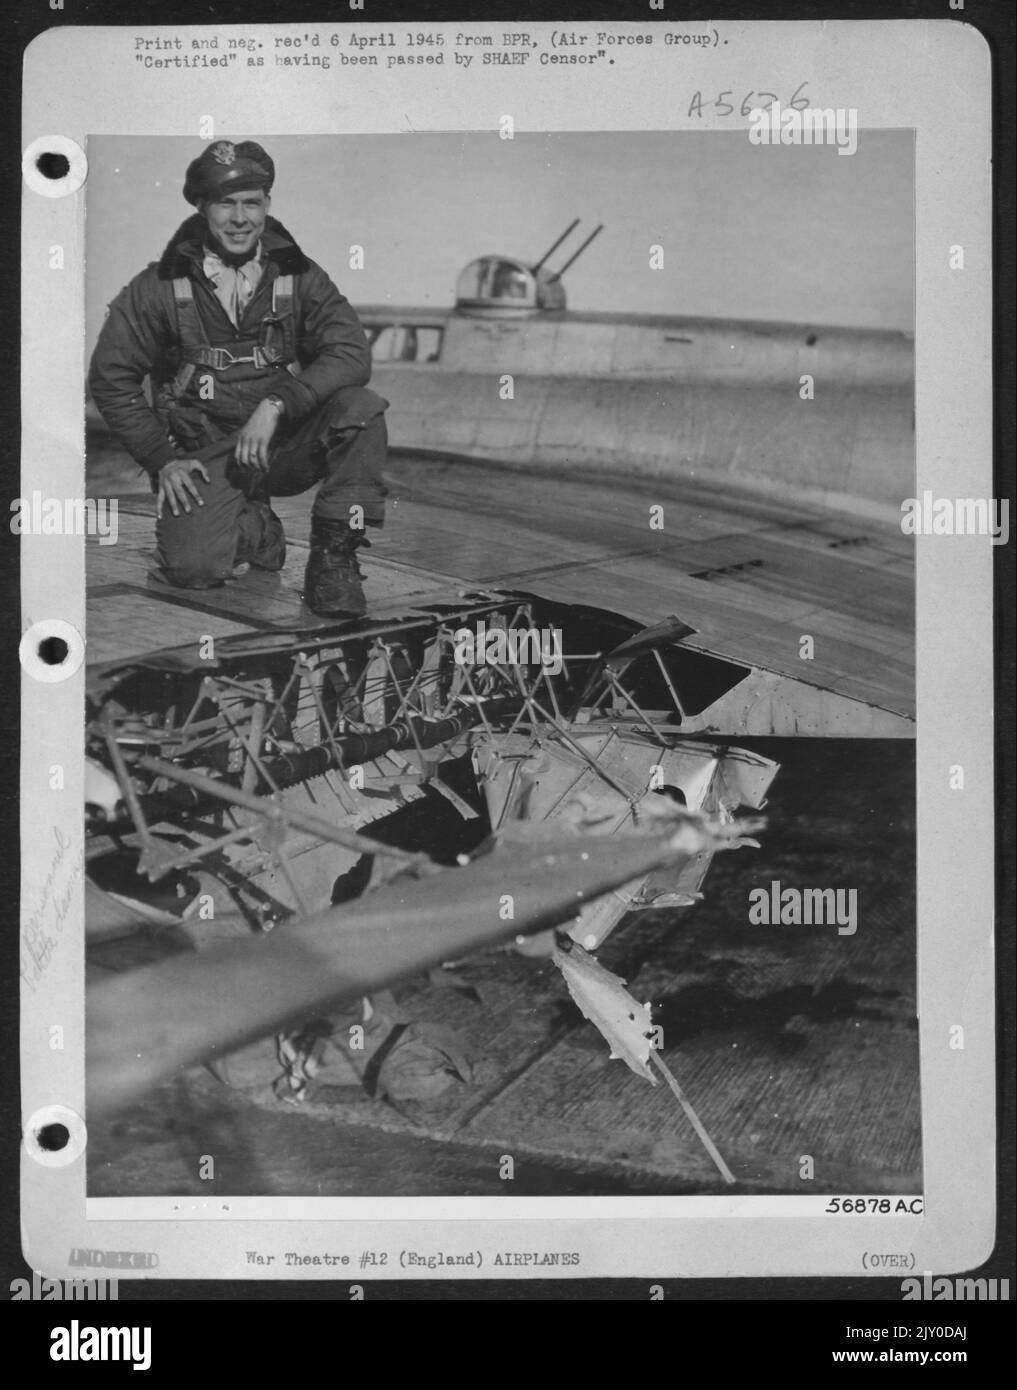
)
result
[(756, 402)]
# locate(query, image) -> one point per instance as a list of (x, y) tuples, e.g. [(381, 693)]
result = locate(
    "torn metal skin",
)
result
[(245, 815)]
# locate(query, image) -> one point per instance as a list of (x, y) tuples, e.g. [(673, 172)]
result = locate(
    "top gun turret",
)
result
[(502, 287)]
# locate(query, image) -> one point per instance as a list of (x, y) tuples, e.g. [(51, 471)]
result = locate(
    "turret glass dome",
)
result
[(498, 285)]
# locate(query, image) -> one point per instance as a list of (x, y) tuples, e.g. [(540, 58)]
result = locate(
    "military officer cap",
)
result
[(225, 167)]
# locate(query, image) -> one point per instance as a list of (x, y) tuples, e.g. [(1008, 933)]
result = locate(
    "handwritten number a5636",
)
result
[(752, 101)]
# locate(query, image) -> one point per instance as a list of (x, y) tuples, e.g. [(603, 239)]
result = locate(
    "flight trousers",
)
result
[(341, 446)]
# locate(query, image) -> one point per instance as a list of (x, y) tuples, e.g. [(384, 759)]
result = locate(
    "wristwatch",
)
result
[(277, 403)]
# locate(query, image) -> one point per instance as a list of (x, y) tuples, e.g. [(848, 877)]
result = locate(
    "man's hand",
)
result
[(256, 436), (176, 485)]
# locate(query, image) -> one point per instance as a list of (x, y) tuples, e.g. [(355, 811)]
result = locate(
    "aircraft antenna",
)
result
[(576, 254), (552, 249)]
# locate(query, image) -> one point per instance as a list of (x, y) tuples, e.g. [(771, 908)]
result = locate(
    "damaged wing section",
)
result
[(602, 998), (253, 815), (145, 1025), (607, 779)]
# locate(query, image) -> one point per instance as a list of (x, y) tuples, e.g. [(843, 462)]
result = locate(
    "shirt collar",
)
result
[(213, 264)]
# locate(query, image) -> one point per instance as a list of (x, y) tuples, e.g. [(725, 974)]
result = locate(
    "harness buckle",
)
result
[(219, 358)]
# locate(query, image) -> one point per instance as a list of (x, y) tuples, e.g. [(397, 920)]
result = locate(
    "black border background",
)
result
[(785, 1335)]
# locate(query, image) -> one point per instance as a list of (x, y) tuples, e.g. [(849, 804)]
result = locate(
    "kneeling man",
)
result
[(257, 369)]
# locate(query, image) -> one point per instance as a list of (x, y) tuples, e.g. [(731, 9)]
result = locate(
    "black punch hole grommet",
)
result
[(53, 1137), (52, 165), (53, 650)]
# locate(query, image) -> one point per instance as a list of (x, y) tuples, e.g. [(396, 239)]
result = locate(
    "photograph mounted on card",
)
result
[(505, 730)]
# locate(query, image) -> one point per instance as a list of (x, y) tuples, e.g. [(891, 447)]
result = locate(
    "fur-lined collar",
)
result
[(185, 249)]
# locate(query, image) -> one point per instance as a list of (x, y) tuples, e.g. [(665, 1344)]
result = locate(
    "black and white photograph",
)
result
[(409, 601)]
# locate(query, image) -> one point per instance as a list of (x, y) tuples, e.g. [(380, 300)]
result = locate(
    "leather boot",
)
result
[(332, 587)]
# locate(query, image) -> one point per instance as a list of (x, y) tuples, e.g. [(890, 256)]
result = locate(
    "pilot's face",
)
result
[(236, 219)]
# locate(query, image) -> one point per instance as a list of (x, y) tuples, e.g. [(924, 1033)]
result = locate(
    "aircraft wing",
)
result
[(753, 579)]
